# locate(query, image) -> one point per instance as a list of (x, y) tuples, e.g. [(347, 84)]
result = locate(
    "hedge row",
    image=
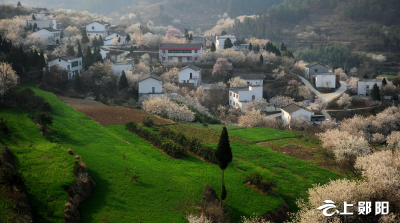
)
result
[(167, 146), (193, 144)]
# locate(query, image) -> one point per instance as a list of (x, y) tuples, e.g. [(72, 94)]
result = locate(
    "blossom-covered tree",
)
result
[(340, 72), (164, 107), (260, 104), (171, 76), (237, 82), (352, 85), (281, 101), (393, 141), (222, 67), (173, 32), (319, 103), (169, 88), (344, 100), (8, 78)]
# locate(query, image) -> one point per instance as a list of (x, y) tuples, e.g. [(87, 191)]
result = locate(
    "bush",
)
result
[(256, 180), (12, 178), (44, 119), (131, 126), (3, 125), (148, 122)]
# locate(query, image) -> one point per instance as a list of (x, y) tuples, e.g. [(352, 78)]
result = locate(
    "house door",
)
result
[(180, 59), (153, 90)]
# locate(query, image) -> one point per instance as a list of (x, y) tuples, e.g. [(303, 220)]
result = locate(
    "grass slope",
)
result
[(167, 187), (47, 168), (261, 134)]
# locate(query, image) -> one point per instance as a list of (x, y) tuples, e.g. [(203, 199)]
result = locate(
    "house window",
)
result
[(191, 76), (367, 86), (68, 67), (163, 51), (237, 95), (59, 60), (253, 97), (180, 51), (80, 63), (92, 27), (233, 103), (195, 51), (230, 102), (230, 93), (316, 70), (74, 64), (189, 58)]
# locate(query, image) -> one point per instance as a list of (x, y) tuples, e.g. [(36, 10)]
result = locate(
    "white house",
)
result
[(42, 15), (365, 86), (315, 68), (150, 84), (293, 111), (70, 64), (251, 78), (50, 23), (190, 74), (96, 29), (325, 80), (240, 96), (117, 68), (182, 53), (51, 34), (109, 38), (220, 40)]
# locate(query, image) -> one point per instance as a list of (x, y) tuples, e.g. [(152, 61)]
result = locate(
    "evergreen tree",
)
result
[(97, 55), (128, 38), (256, 48), (80, 54), (19, 4), (123, 81), (57, 42), (95, 42), (213, 49), (250, 46), (42, 61), (223, 33), (311, 46), (35, 59), (101, 41), (375, 93), (228, 44), (85, 39), (223, 155), (261, 59), (384, 82), (70, 50), (33, 17), (186, 34), (119, 39), (88, 61), (34, 26), (77, 83), (190, 37), (131, 49)]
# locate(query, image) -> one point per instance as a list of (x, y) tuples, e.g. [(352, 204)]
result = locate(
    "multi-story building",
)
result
[(365, 86), (51, 34), (240, 96), (182, 53), (70, 64), (190, 75), (96, 29)]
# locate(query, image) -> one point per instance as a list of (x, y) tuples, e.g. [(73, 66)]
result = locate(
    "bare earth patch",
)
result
[(299, 152), (110, 115)]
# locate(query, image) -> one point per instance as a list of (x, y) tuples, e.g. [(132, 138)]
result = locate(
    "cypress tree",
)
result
[(250, 47), (80, 54), (119, 39), (42, 61), (85, 39), (261, 59), (88, 58), (223, 156), (213, 49), (101, 41), (123, 81), (19, 4), (33, 17), (77, 83), (384, 82), (228, 44), (190, 37), (70, 50), (375, 93), (34, 26), (128, 38)]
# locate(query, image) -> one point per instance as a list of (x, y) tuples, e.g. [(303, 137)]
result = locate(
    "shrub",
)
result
[(12, 178), (131, 126), (44, 119), (172, 149), (3, 125), (148, 122), (256, 180), (205, 125)]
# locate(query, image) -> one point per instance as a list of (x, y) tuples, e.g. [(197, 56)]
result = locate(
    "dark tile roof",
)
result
[(181, 45), (193, 67), (249, 76), (51, 29), (370, 80), (293, 108), (316, 63), (69, 58), (149, 76), (237, 89)]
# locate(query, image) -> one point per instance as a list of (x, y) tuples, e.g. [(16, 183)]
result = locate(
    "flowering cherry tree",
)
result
[(352, 85), (281, 101), (222, 67), (164, 107), (173, 32), (344, 100), (8, 78), (237, 82)]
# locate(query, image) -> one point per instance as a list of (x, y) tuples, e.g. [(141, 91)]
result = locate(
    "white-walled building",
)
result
[(190, 75), (182, 53), (251, 78), (293, 111), (315, 68), (72, 65), (326, 80), (50, 23), (220, 41), (365, 86), (150, 84), (51, 34), (109, 38), (96, 29), (240, 96)]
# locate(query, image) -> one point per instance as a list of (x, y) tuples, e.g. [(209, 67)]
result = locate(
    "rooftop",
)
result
[(237, 89), (183, 45), (293, 108), (193, 67), (370, 80), (249, 76), (149, 76), (316, 63), (69, 58)]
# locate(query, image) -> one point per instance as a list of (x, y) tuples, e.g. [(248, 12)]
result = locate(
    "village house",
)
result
[(150, 84), (182, 53), (42, 15), (51, 34), (41, 24), (315, 68), (365, 86), (190, 75), (240, 96), (220, 41), (117, 68), (96, 29), (121, 35), (72, 65), (293, 111), (324, 80), (251, 78)]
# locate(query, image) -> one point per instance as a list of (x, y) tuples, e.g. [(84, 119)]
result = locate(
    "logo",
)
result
[(364, 208)]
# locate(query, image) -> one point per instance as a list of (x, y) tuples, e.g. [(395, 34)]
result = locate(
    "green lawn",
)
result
[(216, 127), (47, 168), (167, 188), (261, 134)]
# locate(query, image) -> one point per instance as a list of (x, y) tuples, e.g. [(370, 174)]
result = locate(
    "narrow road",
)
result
[(327, 97)]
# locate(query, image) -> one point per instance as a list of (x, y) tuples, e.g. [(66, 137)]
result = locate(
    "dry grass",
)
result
[(110, 115)]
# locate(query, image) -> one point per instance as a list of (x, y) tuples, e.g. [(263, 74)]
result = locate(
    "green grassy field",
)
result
[(167, 188), (261, 134), (47, 168), (216, 127)]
